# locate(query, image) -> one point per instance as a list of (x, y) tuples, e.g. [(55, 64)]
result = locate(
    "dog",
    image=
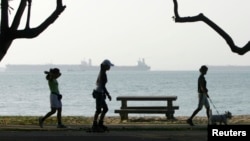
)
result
[(214, 119)]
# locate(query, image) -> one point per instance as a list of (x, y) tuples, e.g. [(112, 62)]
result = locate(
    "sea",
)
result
[(26, 93)]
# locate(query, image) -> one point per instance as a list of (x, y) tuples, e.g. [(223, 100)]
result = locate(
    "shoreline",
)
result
[(115, 120)]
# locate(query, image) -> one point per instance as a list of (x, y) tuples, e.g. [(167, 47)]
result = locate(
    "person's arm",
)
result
[(106, 92)]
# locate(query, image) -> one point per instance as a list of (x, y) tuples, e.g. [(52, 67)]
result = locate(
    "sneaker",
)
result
[(190, 122), (40, 121), (61, 126), (103, 127), (97, 129)]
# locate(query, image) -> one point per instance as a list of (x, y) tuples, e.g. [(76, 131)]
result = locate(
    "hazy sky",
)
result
[(126, 30)]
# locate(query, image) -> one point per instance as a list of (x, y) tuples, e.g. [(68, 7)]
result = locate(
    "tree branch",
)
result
[(33, 32), (4, 16), (18, 15), (8, 34), (28, 14), (221, 32)]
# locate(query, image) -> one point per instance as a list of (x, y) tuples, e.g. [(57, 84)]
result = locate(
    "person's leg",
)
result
[(97, 112), (206, 103), (95, 126), (42, 119), (196, 111), (104, 111), (208, 111), (59, 116), (59, 119), (52, 111), (190, 119), (208, 115)]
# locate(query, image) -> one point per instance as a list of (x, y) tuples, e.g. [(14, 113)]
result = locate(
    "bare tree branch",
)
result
[(4, 11), (28, 15), (221, 32), (33, 32), (18, 15), (8, 34)]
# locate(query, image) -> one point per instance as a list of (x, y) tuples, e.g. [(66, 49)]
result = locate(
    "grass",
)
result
[(33, 120), (81, 120)]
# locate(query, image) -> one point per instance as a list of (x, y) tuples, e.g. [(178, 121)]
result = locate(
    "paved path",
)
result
[(117, 133), (110, 136)]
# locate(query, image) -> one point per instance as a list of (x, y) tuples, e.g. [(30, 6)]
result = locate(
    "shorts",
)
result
[(54, 101), (100, 101), (203, 100)]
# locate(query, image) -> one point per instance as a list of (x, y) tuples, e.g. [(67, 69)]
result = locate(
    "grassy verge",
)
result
[(81, 120)]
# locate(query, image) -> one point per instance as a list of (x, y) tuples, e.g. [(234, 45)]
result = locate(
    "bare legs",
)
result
[(102, 112), (53, 111), (189, 121)]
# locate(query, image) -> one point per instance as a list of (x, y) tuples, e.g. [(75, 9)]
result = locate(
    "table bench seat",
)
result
[(168, 110), (151, 107), (146, 111)]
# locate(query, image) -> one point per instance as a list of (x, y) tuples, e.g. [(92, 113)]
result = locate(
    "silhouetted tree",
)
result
[(8, 33), (221, 32)]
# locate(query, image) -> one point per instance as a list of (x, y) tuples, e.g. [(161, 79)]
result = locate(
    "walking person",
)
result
[(203, 94), (100, 93), (55, 97)]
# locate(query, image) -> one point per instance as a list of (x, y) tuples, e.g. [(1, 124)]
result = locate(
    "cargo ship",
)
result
[(83, 66)]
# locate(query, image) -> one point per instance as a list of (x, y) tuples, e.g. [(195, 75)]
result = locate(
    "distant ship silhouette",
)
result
[(83, 66)]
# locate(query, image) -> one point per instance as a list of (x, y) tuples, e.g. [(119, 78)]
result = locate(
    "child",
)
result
[(55, 97)]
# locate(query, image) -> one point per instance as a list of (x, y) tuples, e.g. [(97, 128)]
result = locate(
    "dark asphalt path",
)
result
[(116, 133), (183, 135)]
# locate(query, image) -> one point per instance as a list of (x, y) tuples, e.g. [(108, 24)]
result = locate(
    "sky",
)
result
[(125, 31)]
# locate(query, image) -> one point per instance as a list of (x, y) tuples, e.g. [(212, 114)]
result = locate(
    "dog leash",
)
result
[(214, 105)]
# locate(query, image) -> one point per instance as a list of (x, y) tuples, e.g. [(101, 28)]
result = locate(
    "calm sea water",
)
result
[(27, 93)]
